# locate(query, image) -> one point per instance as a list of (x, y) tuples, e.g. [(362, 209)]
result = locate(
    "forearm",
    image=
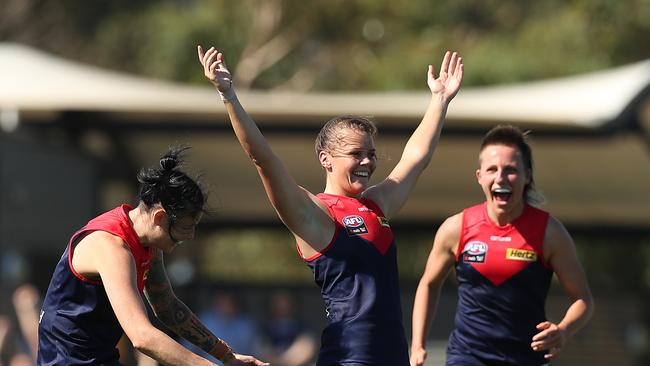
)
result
[(165, 350), (289, 200), (577, 316), (424, 309), (182, 321), (248, 133), (420, 146)]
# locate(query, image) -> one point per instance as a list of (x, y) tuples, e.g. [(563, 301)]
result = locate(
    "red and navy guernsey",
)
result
[(503, 282), (78, 325), (357, 274)]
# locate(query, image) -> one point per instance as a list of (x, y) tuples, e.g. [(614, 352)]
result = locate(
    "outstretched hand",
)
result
[(214, 68), (451, 75)]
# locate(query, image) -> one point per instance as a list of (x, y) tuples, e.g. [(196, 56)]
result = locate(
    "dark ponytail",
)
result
[(166, 185)]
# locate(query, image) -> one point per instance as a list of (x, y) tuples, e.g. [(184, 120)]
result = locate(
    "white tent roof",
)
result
[(36, 81), (602, 180)]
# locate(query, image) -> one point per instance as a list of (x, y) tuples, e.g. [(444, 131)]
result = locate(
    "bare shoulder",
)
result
[(452, 225), (102, 241), (448, 233), (94, 249), (555, 231), (556, 238)]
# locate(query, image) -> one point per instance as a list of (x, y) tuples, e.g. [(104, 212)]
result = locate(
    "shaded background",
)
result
[(64, 159)]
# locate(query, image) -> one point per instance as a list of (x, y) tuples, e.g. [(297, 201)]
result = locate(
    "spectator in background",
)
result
[(226, 317), (287, 341), (5, 329), (26, 300), (19, 342)]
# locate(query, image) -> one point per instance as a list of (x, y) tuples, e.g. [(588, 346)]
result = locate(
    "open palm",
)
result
[(214, 68), (450, 78)]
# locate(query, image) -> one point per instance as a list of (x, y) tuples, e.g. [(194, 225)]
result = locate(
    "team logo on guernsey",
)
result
[(475, 252), (355, 225), (521, 255)]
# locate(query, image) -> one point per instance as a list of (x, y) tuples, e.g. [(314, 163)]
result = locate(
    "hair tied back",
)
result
[(168, 162)]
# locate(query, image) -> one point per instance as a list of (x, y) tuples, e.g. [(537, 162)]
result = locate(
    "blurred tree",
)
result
[(337, 44)]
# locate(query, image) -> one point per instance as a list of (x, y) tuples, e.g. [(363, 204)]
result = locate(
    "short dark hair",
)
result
[(174, 190), (510, 135)]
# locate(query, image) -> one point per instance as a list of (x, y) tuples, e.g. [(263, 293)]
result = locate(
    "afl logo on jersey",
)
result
[(354, 224), (475, 252)]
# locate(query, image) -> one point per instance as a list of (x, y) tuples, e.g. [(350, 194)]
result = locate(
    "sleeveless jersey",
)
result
[(357, 274), (503, 282), (78, 325)]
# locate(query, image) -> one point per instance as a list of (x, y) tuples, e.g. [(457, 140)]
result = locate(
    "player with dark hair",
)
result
[(505, 252), (344, 234), (94, 295)]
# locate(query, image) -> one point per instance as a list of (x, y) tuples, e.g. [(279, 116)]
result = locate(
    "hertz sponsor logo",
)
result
[(521, 255)]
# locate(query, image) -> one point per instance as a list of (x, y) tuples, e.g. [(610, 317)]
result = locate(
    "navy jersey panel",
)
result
[(78, 325), (502, 283), (358, 277), (77, 322)]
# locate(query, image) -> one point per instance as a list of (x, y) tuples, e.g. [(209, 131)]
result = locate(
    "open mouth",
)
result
[(361, 173), (501, 194)]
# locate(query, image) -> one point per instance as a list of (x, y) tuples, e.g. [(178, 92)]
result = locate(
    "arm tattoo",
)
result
[(173, 312)]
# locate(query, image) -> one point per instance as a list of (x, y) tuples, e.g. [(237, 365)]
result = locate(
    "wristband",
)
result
[(228, 95), (221, 351)]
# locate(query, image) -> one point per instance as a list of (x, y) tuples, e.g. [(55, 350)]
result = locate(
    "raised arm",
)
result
[(391, 194), (182, 321), (441, 260), (300, 210), (560, 253)]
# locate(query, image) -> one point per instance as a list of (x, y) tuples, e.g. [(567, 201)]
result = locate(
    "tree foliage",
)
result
[(337, 44)]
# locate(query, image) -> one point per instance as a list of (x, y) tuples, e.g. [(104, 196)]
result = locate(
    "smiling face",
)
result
[(503, 176), (350, 163)]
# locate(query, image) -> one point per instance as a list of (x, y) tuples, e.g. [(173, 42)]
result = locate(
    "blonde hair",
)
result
[(328, 139)]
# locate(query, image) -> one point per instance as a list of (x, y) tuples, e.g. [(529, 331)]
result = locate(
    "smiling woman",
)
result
[(504, 252), (343, 234)]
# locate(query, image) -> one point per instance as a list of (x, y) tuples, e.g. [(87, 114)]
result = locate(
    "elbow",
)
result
[(142, 340), (143, 336)]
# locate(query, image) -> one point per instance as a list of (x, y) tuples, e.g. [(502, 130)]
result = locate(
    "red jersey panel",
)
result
[(502, 287), (499, 252)]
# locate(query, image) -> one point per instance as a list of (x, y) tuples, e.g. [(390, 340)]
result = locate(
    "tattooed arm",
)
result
[(101, 254), (177, 316)]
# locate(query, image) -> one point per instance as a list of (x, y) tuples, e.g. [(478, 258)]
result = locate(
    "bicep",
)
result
[(392, 193), (118, 274), (563, 259), (300, 210), (442, 256)]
